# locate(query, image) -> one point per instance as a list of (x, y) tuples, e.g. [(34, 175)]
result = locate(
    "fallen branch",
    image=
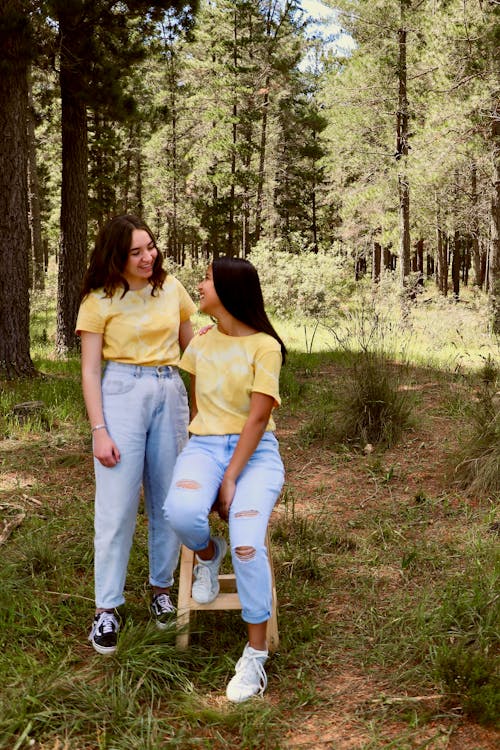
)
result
[(63, 594), (9, 526), (408, 699)]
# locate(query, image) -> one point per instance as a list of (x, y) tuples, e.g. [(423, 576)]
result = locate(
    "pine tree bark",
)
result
[(456, 264), (419, 260), (402, 153), (442, 254), (15, 242), (262, 162), (38, 274), (376, 262), (476, 247), (74, 183), (494, 265)]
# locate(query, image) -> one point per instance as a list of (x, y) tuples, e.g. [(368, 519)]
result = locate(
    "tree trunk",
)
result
[(419, 260), (262, 162), (404, 228), (377, 254), (230, 240), (466, 259), (138, 204), (38, 276), (429, 265), (442, 254), (360, 267), (15, 243), (129, 156), (74, 185), (456, 264), (402, 153), (494, 265), (484, 260), (476, 252)]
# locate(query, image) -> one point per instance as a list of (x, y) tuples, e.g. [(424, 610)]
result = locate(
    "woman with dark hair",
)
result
[(232, 461), (136, 318)]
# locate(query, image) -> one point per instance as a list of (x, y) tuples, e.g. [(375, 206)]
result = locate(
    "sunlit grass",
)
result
[(438, 333)]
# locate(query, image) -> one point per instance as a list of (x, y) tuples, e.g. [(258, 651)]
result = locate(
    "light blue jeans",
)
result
[(146, 413), (200, 468)]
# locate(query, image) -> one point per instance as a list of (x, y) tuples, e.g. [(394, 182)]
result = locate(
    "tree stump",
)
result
[(30, 410)]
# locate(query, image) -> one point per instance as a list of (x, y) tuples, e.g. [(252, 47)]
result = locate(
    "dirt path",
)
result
[(355, 706)]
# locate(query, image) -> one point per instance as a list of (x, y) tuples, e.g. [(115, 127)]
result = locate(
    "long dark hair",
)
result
[(237, 285), (110, 254)]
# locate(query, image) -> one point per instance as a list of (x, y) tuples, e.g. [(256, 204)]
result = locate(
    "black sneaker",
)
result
[(162, 610), (104, 633)]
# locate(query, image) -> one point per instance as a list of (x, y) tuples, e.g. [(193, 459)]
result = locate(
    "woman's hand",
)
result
[(261, 406), (105, 449), (225, 497)]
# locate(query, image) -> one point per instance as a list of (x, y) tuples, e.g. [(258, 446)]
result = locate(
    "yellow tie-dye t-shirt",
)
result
[(138, 328), (228, 369)]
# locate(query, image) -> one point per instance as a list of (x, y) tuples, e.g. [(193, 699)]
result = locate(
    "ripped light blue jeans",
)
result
[(197, 476), (146, 413)]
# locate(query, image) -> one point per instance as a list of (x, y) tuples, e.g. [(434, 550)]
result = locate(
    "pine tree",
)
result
[(15, 46)]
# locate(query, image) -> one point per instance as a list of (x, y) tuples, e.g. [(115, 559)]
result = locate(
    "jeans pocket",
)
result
[(114, 385)]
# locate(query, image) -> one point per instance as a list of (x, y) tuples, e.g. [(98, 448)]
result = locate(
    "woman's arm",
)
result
[(105, 449), (186, 333), (193, 407), (261, 406)]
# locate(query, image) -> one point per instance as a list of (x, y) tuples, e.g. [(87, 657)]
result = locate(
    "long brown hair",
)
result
[(110, 254)]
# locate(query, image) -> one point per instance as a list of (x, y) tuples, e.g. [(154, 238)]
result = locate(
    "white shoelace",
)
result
[(163, 603), (107, 623), (203, 575), (247, 668)]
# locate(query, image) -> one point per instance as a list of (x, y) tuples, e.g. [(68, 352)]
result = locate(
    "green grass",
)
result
[(401, 590)]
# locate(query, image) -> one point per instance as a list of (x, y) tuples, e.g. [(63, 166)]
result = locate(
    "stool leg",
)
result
[(272, 635), (186, 605), (183, 608)]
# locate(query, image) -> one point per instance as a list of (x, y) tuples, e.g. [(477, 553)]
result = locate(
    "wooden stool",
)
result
[(227, 599)]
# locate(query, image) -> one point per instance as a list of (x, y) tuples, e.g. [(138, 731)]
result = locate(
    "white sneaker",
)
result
[(250, 678), (206, 574)]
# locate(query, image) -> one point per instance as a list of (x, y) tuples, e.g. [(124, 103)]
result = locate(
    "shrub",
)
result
[(307, 284), (468, 673), (465, 625)]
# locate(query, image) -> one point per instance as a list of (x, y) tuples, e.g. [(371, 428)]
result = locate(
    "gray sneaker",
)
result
[(206, 574)]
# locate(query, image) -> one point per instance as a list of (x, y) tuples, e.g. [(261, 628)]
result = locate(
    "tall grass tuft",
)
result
[(373, 408), (367, 404), (479, 462)]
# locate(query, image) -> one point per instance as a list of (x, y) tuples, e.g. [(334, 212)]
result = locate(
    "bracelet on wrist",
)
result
[(98, 427)]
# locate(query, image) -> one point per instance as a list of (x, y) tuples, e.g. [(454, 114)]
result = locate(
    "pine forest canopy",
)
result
[(204, 120)]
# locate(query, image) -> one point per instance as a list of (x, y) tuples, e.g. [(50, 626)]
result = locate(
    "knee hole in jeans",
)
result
[(245, 554), (246, 514), (187, 484)]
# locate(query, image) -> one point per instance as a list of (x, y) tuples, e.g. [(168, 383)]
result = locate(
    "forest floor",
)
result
[(364, 542), (360, 704)]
